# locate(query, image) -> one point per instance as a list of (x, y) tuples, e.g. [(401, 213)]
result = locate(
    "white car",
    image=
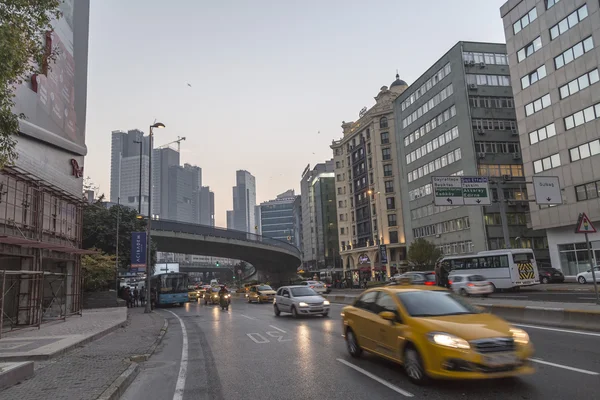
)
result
[(317, 286), (585, 277), (300, 300), (470, 285)]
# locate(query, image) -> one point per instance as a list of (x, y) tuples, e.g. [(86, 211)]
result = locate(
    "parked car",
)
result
[(317, 286), (585, 277), (300, 300), (418, 278), (550, 275), (470, 285)]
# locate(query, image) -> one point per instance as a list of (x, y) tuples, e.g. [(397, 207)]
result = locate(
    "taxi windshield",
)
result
[(303, 291), (265, 287), (426, 303)]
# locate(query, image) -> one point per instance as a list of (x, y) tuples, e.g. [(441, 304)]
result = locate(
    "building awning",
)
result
[(20, 241)]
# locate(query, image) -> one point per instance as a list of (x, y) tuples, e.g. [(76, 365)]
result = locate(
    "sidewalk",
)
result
[(86, 372), (56, 338)]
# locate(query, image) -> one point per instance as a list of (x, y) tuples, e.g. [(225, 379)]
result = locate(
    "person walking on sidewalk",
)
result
[(142, 296), (136, 297)]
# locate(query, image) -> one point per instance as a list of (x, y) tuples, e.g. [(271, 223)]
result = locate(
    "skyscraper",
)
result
[(162, 160), (206, 206), (277, 219), (183, 186), (244, 202)]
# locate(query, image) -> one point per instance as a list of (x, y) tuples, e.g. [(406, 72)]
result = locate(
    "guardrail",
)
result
[(206, 230)]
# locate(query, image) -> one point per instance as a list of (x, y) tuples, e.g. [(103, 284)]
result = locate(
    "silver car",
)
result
[(300, 300)]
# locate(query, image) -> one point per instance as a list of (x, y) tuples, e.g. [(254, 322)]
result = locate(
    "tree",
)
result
[(422, 253), (23, 25), (98, 271), (100, 230)]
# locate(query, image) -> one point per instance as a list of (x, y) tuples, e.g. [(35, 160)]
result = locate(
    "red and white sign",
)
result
[(584, 225)]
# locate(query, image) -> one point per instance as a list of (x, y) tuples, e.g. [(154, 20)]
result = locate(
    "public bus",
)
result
[(171, 288), (505, 269)]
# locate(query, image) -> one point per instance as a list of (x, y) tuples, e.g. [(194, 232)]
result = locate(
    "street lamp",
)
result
[(148, 241)]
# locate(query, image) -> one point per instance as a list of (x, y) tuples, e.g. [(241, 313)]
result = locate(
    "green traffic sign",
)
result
[(474, 192), (448, 192)]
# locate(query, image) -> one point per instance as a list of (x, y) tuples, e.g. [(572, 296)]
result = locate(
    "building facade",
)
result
[(319, 227), (244, 202), (41, 193), (277, 219), (206, 206), (367, 184), (183, 186), (162, 161), (553, 56), (458, 119)]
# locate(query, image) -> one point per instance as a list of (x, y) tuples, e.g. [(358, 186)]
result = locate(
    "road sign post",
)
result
[(547, 190), (461, 191), (584, 225), (476, 191)]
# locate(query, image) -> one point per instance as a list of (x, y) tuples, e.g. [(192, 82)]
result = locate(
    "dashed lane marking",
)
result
[(180, 386), (376, 378), (581, 371), (545, 328)]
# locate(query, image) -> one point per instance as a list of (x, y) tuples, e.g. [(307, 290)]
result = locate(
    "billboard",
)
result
[(54, 103), (138, 251)]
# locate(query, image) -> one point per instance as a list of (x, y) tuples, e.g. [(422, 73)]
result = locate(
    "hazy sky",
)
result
[(266, 76)]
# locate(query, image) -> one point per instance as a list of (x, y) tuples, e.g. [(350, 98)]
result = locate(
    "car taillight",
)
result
[(429, 283), (450, 282), (470, 284), (312, 287)]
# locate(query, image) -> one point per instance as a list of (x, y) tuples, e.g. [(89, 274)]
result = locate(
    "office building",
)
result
[(183, 186), (320, 246), (126, 150), (367, 183), (162, 160), (459, 119), (244, 202), (206, 206), (277, 219), (230, 222), (553, 57)]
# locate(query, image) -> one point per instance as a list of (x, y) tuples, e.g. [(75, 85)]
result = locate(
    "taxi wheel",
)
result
[(352, 345), (413, 366), (294, 312), (276, 310)]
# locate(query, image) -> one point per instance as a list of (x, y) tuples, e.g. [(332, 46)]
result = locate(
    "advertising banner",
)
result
[(138, 251)]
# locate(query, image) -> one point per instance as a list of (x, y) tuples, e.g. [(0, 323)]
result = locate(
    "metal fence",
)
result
[(197, 229)]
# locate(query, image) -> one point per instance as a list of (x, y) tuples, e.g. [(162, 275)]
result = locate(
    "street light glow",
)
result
[(158, 125)]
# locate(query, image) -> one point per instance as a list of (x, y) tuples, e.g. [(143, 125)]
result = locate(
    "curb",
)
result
[(45, 357), (120, 385)]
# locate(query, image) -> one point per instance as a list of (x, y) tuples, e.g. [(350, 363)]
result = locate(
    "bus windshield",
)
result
[(173, 283), (523, 257)]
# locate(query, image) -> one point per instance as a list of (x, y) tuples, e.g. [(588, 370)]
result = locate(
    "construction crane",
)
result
[(178, 141)]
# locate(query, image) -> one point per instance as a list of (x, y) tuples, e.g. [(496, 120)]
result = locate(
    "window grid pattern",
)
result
[(573, 53), (542, 134), (537, 105), (491, 102), (434, 101), (533, 77), (485, 58), (494, 124), (432, 145), (568, 22), (488, 80), (453, 225), (497, 147), (546, 163), (514, 170), (551, 3), (579, 83), (525, 20), (434, 165), (434, 123), (585, 150), (588, 191), (429, 210), (529, 49), (581, 117), (425, 190), (431, 82)]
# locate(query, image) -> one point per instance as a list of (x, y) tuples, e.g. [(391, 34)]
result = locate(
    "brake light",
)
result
[(429, 283), (450, 282), (470, 284), (312, 287)]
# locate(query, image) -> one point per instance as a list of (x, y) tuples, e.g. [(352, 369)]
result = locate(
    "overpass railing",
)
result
[(197, 229)]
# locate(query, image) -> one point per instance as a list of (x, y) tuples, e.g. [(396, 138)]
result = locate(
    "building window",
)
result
[(494, 125), (337, 164), (585, 150), (386, 153), (542, 134), (485, 58), (529, 49), (430, 83), (525, 20), (499, 170), (550, 3), (588, 191), (488, 80), (491, 102), (573, 53), (389, 186), (567, 23), (370, 161), (497, 147), (533, 77), (453, 225), (581, 117), (368, 148), (392, 220), (342, 230), (546, 163), (393, 236), (432, 145), (574, 258), (434, 165), (578, 84), (340, 204), (433, 102), (385, 137), (387, 170), (391, 203), (429, 126), (383, 122), (339, 177), (537, 105)]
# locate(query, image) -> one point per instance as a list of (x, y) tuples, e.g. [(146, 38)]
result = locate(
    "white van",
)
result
[(214, 282)]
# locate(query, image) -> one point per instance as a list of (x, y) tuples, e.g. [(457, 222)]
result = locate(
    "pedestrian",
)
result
[(438, 278), (136, 297), (126, 296), (131, 298), (142, 296)]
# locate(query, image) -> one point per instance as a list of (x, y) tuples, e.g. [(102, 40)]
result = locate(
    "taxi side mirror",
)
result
[(388, 316)]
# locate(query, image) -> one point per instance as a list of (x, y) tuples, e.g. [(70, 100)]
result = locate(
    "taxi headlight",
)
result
[(519, 335), (302, 304), (326, 303), (448, 340)]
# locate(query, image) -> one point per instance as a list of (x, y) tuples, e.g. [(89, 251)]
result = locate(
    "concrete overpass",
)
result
[(268, 256)]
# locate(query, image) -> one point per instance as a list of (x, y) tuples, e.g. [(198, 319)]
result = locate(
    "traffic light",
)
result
[(217, 263)]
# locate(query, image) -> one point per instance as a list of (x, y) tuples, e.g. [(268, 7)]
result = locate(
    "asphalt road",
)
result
[(249, 353), (562, 297)]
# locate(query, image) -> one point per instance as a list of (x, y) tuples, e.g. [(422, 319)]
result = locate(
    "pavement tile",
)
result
[(86, 372)]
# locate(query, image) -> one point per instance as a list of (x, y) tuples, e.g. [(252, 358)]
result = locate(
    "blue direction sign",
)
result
[(138, 251)]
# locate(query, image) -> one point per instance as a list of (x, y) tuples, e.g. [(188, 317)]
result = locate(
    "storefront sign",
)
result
[(138, 251), (364, 259), (383, 254)]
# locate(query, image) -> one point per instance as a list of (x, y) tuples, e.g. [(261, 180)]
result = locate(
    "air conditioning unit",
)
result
[(481, 154), (515, 133), (512, 203), (507, 177), (480, 132), (516, 156), (472, 86), (467, 62), (481, 64), (471, 62)]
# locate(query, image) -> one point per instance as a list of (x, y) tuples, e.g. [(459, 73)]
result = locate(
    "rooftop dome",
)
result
[(398, 82)]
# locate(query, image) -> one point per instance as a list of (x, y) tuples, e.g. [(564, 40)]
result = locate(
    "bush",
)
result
[(98, 271)]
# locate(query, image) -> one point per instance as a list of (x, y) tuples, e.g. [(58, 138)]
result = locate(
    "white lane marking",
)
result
[(512, 297), (544, 328), (259, 339), (280, 330), (586, 298), (245, 316), (582, 371), (376, 378), (180, 386)]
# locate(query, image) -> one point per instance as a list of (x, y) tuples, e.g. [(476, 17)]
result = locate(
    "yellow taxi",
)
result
[(193, 293), (260, 294), (435, 334)]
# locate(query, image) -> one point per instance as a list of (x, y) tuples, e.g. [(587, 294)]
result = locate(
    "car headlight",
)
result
[(326, 303), (448, 340), (519, 335), (302, 304)]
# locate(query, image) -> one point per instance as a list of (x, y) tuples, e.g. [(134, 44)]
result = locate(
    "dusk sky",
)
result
[(266, 76)]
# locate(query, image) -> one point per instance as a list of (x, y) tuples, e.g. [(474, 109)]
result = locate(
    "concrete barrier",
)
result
[(547, 316)]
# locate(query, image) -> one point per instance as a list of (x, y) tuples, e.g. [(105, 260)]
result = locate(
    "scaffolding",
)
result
[(40, 240)]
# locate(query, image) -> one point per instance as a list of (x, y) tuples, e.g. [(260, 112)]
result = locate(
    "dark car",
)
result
[(419, 278), (550, 275)]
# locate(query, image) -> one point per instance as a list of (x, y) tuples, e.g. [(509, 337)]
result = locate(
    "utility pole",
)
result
[(117, 247), (141, 142), (503, 217)]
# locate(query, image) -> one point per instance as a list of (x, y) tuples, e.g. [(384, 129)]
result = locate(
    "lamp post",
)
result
[(148, 226), (117, 247)]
